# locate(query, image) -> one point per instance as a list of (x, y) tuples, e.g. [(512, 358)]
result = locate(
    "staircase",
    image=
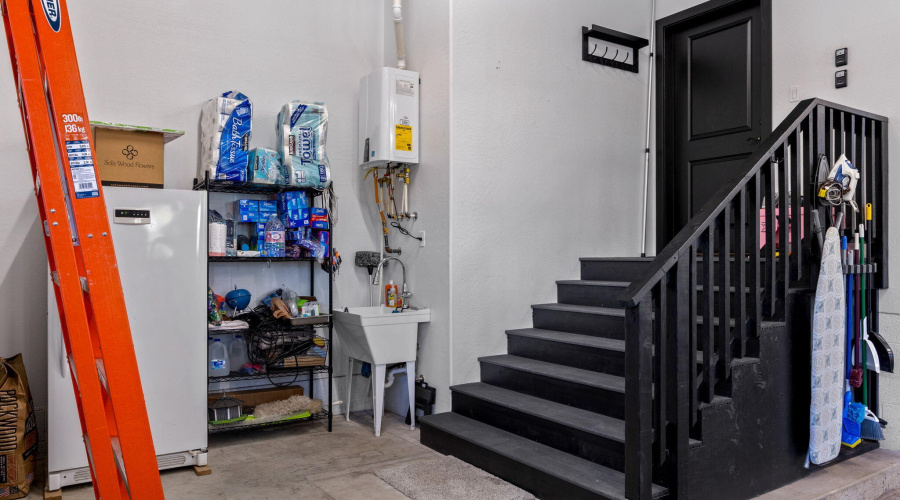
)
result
[(680, 376), (550, 414)]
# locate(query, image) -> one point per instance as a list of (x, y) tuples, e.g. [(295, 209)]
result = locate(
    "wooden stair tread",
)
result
[(564, 415), (604, 311), (567, 373), (571, 338), (616, 284), (595, 478)]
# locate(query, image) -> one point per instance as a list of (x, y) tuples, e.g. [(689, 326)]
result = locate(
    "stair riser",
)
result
[(539, 483), (587, 324), (584, 445), (613, 271), (587, 358), (588, 295), (570, 393)]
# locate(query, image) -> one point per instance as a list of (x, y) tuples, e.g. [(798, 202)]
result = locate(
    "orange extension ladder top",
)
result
[(80, 250)]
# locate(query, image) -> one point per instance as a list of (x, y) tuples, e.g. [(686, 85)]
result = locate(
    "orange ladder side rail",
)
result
[(87, 285), (56, 232)]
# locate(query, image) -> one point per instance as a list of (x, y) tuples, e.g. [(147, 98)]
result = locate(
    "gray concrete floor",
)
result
[(874, 475), (297, 462)]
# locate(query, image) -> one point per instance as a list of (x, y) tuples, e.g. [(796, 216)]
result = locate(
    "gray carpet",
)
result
[(449, 478)]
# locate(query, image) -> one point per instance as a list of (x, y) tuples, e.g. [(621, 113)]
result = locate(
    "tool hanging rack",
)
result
[(80, 251)]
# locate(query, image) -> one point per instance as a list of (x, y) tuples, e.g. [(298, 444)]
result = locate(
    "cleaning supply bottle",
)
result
[(218, 360), (274, 246), (390, 294), (237, 353)]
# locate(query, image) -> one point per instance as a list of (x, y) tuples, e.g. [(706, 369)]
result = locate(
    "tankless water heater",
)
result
[(389, 117)]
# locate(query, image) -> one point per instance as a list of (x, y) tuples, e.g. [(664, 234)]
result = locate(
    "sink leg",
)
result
[(349, 387), (379, 397), (411, 388)]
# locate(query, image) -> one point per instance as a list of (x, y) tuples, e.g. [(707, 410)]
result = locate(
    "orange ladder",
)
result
[(80, 250)]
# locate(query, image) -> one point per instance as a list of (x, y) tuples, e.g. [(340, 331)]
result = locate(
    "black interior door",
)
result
[(718, 101)]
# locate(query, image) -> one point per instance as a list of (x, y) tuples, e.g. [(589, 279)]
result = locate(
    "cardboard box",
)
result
[(129, 158), (247, 210), (253, 397), (294, 219)]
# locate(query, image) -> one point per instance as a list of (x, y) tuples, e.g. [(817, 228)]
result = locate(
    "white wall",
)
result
[(427, 33), (155, 63), (546, 155)]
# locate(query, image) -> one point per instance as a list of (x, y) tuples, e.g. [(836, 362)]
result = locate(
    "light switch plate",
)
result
[(795, 93), (840, 57), (840, 79)]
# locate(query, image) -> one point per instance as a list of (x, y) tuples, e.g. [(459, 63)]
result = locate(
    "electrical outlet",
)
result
[(422, 241), (795, 93)]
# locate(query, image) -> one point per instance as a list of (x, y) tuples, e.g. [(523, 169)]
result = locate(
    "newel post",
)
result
[(639, 399)]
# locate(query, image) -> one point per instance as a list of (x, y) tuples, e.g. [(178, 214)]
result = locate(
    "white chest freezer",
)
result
[(160, 241)]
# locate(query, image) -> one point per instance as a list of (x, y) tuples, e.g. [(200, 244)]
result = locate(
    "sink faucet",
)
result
[(405, 293)]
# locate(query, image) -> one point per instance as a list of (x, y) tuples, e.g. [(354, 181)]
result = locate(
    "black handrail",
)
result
[(701, 221), (701, 301)]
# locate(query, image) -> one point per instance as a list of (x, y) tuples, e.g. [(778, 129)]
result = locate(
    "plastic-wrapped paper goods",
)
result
[(225, 124), (301, 129)]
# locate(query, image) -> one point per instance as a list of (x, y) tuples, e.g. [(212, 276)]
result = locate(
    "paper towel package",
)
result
[(265, 167), (225, 137), (301, 129)]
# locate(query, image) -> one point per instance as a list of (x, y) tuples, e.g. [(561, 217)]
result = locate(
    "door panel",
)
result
[(714, 104), (708, 175), (721, 91)]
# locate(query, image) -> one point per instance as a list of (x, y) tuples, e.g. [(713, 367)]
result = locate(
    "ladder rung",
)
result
[(101, 372), (87, 446), (72, 368), (120, 461)]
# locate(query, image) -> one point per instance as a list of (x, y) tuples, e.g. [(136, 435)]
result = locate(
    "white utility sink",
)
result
[(380, 336)]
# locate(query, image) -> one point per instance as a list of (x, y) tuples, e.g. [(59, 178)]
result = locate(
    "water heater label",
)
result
[(403, 137), (406, 87)]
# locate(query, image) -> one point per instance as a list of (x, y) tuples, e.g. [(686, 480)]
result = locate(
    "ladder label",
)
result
[(81, 165)]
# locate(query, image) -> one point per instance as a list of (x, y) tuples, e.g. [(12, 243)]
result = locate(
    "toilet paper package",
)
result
[(265, 167), (301, 130), (225, 126)]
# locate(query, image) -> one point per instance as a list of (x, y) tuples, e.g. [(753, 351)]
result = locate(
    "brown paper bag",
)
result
[(18, 430)]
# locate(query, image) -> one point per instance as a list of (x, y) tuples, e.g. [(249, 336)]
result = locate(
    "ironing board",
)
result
[(828, 335)]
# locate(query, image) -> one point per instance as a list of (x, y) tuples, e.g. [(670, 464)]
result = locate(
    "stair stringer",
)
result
[(757, 441)]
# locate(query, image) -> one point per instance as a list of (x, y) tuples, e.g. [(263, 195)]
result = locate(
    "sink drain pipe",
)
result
[(390, 375)]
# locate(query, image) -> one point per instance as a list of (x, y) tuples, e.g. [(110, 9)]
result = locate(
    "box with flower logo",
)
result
[(130, 156)]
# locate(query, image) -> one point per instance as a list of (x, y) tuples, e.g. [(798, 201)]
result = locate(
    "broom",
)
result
[(870, 428)]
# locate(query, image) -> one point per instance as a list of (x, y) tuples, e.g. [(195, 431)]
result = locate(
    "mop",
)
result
[(850, 428)]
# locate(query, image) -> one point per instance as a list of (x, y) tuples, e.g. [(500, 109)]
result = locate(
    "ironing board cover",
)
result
[(826, 407)]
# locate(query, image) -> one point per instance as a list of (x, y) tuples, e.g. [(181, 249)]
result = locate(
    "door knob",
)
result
[(754, 139)]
